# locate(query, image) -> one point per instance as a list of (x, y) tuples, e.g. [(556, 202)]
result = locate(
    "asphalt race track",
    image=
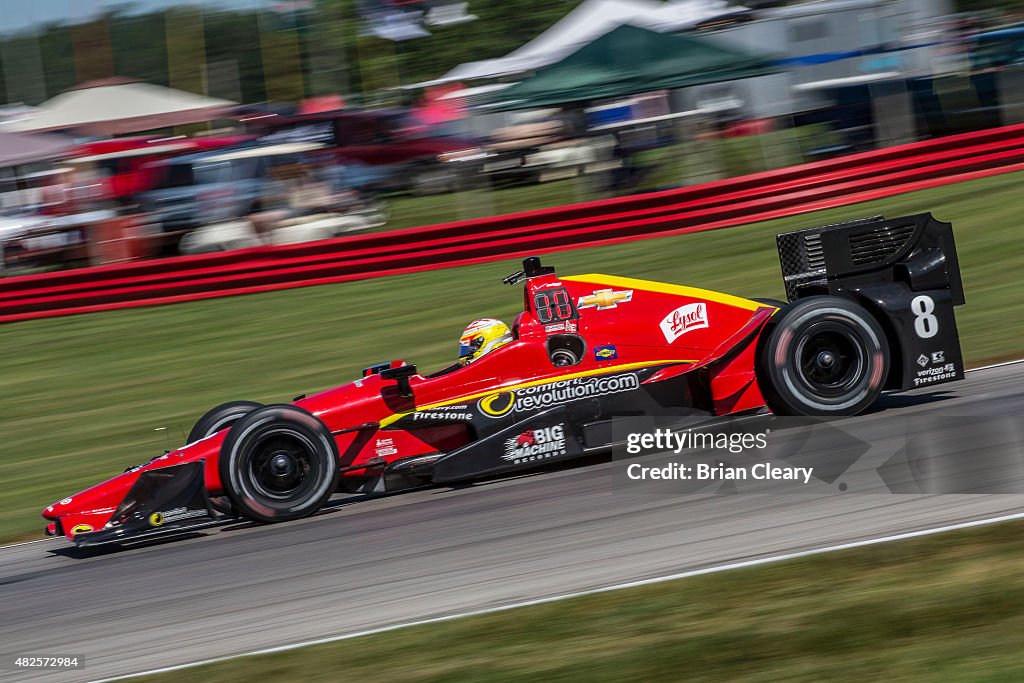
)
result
[(410, 556)]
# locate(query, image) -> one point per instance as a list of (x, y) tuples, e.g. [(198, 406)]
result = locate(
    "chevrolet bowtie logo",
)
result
[(604, 298)]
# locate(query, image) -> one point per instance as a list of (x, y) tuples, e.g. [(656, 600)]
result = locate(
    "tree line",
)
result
[(261, 55), (258, 55)]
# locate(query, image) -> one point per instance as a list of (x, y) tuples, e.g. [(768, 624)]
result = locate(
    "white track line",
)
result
[(592, 591), (15, 545), (996, 365)]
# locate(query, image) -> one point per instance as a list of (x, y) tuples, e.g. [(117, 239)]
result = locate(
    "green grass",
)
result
[(943, 608), (84, 394), (409, 211), (702, 160)]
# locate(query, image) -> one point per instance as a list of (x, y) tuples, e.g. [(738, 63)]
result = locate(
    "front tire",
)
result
[(221, 417), (822, 356), (278, 463)]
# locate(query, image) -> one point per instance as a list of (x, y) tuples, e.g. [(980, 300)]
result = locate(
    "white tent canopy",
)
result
[(115, 106), (591, 19)]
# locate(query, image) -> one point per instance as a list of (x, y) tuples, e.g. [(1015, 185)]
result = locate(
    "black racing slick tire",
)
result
[(221, 417), (278, 463), (822, 356)]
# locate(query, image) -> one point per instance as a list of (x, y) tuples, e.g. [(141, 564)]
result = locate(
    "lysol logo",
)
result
[(684, 319)]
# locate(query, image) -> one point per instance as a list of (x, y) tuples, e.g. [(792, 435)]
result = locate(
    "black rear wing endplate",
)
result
[(904, 270)]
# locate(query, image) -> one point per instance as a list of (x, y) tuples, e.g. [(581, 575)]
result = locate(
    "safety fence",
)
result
[(761, 196)]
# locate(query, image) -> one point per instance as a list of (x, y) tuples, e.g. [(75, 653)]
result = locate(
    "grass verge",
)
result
[(948, 607), (84, 394)]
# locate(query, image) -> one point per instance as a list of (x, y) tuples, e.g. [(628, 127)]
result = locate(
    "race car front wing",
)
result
[(169, 501)]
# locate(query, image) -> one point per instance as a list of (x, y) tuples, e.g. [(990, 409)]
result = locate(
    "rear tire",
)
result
[(278, 463), (221, 417), (822, 356)]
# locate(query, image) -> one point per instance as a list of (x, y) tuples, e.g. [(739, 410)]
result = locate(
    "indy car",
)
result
[(870, 308)]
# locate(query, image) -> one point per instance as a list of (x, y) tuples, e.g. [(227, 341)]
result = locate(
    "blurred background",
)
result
[(155, 128)]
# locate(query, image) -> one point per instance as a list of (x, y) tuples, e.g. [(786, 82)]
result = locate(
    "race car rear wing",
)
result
[(916, 250), (904, 271)]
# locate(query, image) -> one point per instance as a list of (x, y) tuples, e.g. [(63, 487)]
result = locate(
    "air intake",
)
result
[(844, 257), (878, 244)]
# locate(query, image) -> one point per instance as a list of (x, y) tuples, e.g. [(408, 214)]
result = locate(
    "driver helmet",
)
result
[(481, 337)]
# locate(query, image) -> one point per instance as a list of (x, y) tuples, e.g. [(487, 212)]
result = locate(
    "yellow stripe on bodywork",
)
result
[(608, 370), (663, 288)]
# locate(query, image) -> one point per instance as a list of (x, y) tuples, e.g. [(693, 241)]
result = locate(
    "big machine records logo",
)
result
[(536, 444), (684, 319)]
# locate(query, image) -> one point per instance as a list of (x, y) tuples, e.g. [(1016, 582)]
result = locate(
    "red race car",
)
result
[(870, 308)]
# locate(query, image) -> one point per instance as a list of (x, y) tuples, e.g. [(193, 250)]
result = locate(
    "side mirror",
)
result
[(402, 375), (374, 369)]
